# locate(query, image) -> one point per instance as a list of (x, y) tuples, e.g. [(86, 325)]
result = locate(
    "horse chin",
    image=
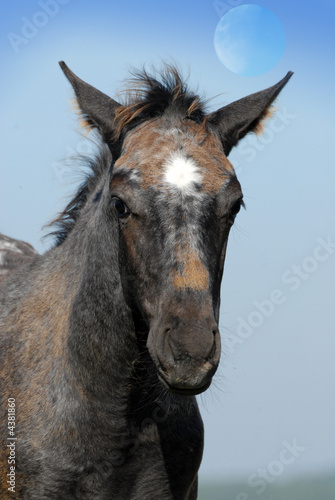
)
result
[(183, 391)]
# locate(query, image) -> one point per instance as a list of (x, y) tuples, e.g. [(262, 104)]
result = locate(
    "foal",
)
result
[(107, 337)]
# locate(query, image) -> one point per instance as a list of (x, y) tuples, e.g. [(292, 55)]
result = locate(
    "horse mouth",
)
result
[(177, 377), (183, 391)]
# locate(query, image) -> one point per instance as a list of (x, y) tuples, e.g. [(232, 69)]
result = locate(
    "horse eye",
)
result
[(121, 208), (235, 209)]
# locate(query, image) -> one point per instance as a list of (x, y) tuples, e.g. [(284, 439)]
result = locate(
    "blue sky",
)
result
[(275, 384)]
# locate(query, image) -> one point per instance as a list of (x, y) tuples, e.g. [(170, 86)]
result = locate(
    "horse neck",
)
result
[(101, 338)]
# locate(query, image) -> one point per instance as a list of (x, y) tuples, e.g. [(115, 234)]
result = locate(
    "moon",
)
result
[(249, 40)]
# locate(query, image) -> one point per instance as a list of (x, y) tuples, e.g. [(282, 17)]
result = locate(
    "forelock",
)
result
[(148, 96)]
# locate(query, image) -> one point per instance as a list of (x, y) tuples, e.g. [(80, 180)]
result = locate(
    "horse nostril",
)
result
[(212, 351)]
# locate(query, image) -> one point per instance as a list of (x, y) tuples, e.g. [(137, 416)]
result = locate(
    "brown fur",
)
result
[(46, 311), (260, 127), (191, 272), (84, 123), (157, 144)]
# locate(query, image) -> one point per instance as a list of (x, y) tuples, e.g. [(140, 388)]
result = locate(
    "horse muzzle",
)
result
[(186, 353)]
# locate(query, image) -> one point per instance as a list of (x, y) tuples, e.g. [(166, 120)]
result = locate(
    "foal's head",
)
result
[(176, 196)]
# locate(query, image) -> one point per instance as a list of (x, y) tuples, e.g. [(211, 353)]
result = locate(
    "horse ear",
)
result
[(98, 110), (234, 121)]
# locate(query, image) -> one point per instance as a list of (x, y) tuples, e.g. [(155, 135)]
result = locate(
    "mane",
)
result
[(145, 97), (66, 220)]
